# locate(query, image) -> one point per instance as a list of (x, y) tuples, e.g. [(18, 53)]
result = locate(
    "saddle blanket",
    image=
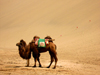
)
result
[(41, 42)]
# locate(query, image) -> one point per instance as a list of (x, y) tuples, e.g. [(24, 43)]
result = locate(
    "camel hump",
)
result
[(51, 39)]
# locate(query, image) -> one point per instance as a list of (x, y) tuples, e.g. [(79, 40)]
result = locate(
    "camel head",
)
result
[(21, 43)]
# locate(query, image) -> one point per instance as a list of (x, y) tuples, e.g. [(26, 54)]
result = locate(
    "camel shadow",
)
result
[(18, 66)]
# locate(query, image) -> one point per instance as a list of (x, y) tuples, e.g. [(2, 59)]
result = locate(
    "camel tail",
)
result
[(56, 48)]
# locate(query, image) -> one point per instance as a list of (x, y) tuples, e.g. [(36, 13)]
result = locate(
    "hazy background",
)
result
[(69, 22)]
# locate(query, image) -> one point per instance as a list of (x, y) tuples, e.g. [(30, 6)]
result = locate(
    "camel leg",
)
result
[(52, 59), (56, 59), (35, 59), (39, 62), (27, 63)]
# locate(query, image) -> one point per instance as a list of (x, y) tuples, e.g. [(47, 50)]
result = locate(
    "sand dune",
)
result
[(74, 24)]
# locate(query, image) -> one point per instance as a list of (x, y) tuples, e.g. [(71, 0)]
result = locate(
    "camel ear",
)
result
[(21, 40)]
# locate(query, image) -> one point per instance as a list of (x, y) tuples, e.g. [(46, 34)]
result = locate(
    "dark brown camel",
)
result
[(51, 47), (24, 50)]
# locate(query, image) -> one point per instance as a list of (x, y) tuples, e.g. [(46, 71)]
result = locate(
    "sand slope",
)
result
[(74, 24)]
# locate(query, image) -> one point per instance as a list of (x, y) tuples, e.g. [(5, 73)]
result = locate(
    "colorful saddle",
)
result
[(41, 42)]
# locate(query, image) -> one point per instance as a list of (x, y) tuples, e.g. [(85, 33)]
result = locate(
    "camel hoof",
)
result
[(34, 66), (27, 66), (48, 67), (40, 66), (54, 68)]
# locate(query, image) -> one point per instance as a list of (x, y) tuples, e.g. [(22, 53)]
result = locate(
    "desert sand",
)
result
[(75, 26)]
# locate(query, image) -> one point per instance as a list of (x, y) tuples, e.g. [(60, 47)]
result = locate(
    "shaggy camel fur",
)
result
[(51, 47), (24, 50)]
